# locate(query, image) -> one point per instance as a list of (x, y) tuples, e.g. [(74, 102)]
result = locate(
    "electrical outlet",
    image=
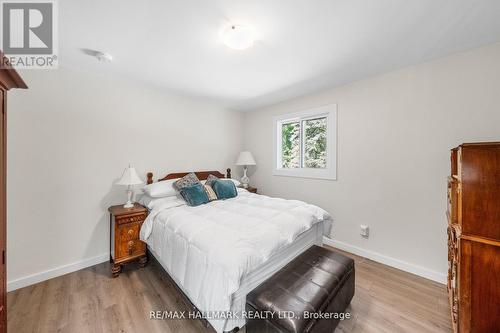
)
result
[(365, 231)]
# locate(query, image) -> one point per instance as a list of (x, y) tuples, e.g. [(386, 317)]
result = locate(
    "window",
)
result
[(305, 143)]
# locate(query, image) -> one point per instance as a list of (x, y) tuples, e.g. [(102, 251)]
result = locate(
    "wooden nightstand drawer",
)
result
[(129, 231), (130, 219), (130, 248)]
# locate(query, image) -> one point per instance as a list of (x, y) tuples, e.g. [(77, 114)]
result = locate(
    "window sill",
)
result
[(326, 174)]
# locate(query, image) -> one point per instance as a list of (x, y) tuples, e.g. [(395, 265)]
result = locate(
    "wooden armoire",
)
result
[(474, 237), (9, 79)]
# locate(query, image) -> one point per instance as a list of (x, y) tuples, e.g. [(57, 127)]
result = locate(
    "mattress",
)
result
[(218, 252)]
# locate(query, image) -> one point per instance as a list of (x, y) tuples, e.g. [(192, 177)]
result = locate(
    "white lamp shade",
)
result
[(129, 177), (245, 158)]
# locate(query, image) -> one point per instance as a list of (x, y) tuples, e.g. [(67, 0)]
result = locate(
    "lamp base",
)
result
[(129, 203), (245, 180)]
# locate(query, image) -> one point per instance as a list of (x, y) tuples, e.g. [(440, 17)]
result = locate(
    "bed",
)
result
[(218, 252)]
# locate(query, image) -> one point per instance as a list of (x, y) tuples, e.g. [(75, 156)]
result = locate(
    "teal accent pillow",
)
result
[(225, 189), (194, 195)]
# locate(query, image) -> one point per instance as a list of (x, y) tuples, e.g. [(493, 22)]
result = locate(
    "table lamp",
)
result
[(129, 178), (245, 159)]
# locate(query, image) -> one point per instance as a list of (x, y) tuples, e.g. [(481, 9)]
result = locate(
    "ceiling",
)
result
[(302, 45)]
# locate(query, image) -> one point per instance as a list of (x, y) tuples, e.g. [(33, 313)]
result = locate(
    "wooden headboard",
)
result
[(202, 175)]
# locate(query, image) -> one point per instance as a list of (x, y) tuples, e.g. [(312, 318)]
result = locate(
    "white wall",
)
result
[(72, 133), (69, 138), (394, 136)]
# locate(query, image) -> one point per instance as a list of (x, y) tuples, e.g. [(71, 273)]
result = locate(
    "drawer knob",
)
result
[(130, 247), (130, 232)]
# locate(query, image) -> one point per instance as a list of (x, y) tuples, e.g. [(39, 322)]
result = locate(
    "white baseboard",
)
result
[(55, 272), (389, 261), (396, 263)]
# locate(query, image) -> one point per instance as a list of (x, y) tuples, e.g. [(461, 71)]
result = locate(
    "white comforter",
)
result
[(208, 249)]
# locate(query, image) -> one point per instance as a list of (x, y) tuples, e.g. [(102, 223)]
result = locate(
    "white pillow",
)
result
[(144, 199), (236, 182), (151, 202), (165, 188)]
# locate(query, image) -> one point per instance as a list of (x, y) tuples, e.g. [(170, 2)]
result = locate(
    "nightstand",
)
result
[(252, 189), (125, 246)]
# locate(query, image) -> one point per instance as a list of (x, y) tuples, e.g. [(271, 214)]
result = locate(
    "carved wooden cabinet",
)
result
[(125, 245), (474, 237), (9, 79)]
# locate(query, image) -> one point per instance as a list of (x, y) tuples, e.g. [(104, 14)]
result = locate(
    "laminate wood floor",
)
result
[(386, 300)]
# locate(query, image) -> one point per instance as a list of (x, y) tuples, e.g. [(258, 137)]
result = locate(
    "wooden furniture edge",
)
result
[(9, 78), (202, 175), (482, 240), (252, 189), (492, 143), (120, 210)]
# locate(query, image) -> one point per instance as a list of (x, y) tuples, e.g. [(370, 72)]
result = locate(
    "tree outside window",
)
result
[(303, 144), (306, 143)]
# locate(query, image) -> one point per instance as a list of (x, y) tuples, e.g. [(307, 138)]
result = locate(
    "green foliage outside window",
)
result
[(315, 143), (290, 145), (314, 136)]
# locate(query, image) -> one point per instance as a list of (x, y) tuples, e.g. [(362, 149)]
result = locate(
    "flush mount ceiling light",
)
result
[(238, 37)]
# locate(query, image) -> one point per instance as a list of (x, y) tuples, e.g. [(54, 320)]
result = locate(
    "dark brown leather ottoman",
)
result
[(307, 295)]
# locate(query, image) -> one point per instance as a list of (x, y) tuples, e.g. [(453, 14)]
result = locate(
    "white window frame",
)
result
[(330, 172)]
